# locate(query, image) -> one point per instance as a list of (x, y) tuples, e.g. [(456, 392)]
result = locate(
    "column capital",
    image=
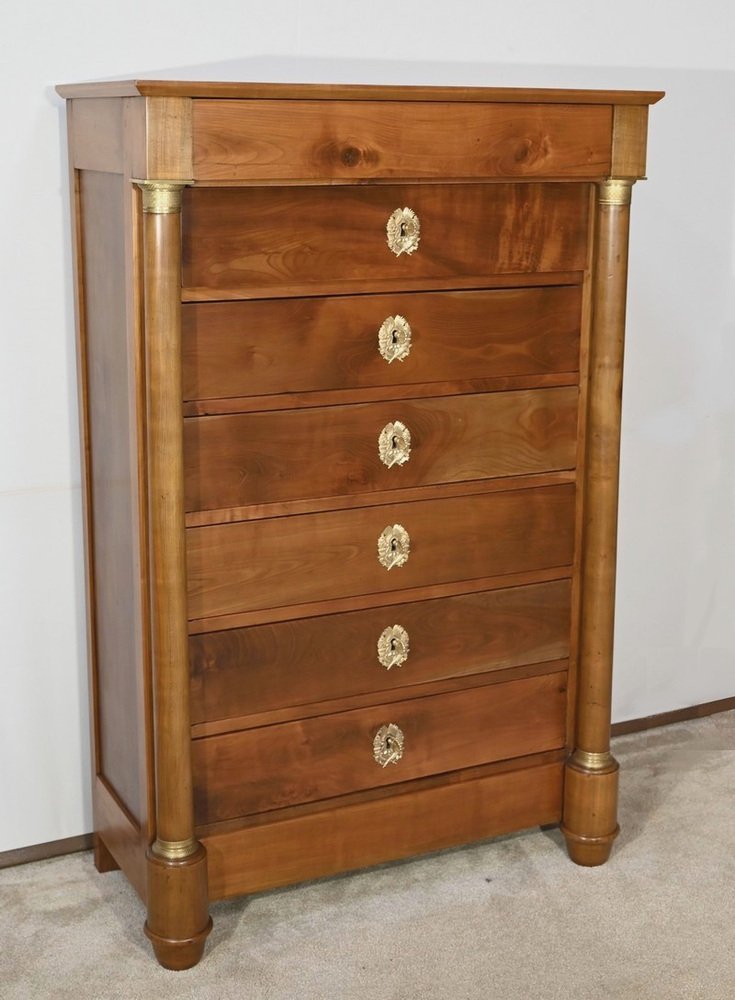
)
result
[(615, 191), (162, 197)]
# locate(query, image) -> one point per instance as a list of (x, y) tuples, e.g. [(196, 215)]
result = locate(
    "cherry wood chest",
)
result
[(350, 366)]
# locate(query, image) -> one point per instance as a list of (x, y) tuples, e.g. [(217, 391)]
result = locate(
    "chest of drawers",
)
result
[(350, 368)]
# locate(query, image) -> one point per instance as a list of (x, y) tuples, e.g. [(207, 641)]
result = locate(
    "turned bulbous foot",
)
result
[(589, 851), (590, 822), (178, 955), (178, 915)]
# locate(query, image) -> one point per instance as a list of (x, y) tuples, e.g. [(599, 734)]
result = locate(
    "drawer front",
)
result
[(315, 557), (304, 344), (266, 667), (300, 140), (249, 458), (262, 237), (283, 765)]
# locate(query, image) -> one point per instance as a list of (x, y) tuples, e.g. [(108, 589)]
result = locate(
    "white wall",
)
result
[(675, 642)]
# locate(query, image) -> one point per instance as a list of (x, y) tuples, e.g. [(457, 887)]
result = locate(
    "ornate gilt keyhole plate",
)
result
[(394, 444), (393, 646), (394, 546), (394, 338), (388, 745), (403, 230)]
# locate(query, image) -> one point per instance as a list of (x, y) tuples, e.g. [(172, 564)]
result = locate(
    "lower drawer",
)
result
[(298, 762), (262, 668), (282, 561)]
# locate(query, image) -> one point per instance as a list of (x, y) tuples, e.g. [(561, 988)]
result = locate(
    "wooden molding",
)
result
[(361, 92)]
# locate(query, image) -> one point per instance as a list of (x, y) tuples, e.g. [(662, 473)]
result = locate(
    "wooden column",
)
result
[(591, 776), (178, 918)]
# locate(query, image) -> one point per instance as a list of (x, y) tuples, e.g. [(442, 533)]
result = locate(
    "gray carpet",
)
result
[(510, 918)]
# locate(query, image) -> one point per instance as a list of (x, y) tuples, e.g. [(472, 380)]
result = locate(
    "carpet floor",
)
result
[(509, 918)]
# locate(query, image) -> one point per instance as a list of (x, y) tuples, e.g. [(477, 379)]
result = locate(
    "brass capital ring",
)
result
[(162, 197), (615, 191)]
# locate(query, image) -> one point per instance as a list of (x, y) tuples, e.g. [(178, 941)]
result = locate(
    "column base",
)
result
[(589, 822), (178, 909)]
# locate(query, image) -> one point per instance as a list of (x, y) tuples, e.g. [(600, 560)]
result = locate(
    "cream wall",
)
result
[(674, 643)]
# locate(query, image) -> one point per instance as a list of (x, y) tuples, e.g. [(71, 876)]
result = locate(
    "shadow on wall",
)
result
[(674, 640)]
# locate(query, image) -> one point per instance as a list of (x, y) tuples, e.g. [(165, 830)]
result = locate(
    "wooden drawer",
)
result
[(245, 671), (305, 344), (261, 238), (296, 762), (262, 139), (317, 557), (252, 458)]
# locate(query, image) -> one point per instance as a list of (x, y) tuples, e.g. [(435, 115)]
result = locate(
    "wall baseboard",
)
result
[(85, 842), (41, 852), (669, 718)]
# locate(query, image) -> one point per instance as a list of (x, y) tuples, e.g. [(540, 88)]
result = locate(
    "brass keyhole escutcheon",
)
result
[(394, 444), (388, 745), (393, 646), (403, 231), (394, 339), (394, 546)]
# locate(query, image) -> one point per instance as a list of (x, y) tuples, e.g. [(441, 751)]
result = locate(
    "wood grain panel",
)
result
[(277, 766), (96, 137), (306, 344), (113, 475), (266, 237), (629, 141), (331, 451), (268, 667), (169, 144), (301, 140), (315, 557), (122, 836), (341, 839)]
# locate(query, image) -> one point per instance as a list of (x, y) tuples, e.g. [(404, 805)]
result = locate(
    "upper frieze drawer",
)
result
[(266, 140)]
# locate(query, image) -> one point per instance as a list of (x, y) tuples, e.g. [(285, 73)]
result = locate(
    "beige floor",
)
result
[(511, 918)]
